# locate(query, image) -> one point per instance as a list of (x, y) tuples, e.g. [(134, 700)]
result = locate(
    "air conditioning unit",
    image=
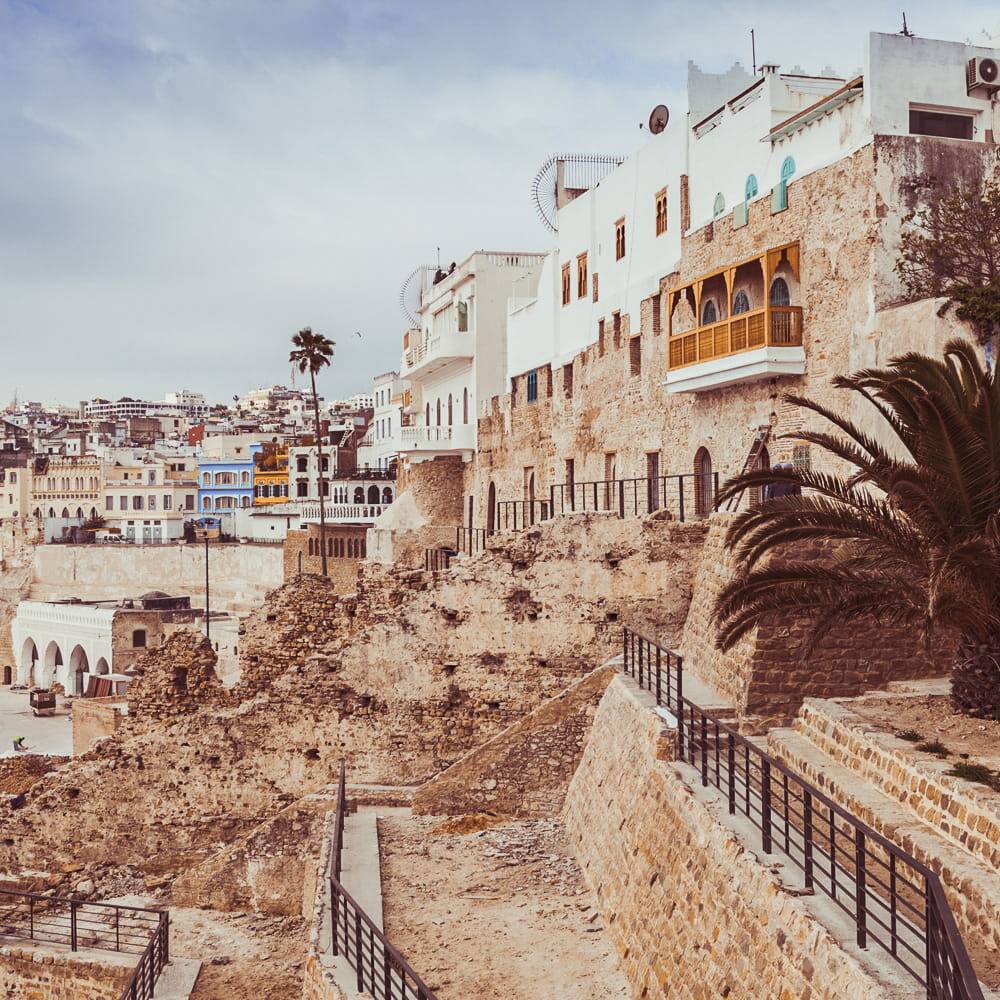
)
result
[(982, 75)]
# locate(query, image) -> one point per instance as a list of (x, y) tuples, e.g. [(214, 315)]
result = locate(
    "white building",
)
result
[(457, 360), (147, 501), (382, 443), (742, 139)]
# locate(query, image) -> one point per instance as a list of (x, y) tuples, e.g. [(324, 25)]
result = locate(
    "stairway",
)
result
[(971, 884), (760, 440)]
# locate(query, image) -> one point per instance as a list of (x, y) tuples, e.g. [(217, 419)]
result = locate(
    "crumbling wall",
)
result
[(36, 972), (96, 719), (526, 769)]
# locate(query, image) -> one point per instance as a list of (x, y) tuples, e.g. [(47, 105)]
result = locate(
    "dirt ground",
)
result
[(497, 914), (934, 719), (243, 956)]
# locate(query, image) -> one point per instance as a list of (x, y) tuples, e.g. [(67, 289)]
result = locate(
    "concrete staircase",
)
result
[(881, 780), (177, 979)]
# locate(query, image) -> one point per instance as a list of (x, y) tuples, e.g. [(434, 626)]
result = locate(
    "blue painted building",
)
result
[(225, 484)]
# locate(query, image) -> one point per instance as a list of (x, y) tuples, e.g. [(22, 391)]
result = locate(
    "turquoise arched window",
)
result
[(787, 168), (720, 205), (751, 187)]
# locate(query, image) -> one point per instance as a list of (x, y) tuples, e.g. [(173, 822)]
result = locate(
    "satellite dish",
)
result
[(409, 294), (578, 172), (658, 119)]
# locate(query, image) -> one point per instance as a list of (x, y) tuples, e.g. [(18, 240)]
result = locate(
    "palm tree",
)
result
[(917, 520), (313, 352)]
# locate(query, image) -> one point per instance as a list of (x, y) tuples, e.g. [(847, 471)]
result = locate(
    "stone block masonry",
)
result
[(95, 719), (50, 973), (526, 769), (692, 913)]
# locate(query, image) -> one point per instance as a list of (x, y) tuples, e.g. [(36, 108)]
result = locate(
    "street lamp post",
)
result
[(208, 611)]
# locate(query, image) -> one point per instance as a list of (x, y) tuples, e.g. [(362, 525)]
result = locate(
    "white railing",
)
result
[(459, 437), (344, 511)]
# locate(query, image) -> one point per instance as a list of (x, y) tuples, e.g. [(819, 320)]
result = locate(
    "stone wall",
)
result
[(39, 972), (526, 769), (241, 574), (768, 672), (96, 719), (692, 913), (318, 978), (346, 547)]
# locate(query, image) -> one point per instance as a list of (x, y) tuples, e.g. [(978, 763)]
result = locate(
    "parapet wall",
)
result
[(691, 912), (55, 974), (240, 575)]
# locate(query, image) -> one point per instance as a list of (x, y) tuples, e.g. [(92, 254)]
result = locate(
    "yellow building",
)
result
[(270, 476)]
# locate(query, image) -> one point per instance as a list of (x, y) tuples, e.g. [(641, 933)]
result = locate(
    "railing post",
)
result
[(861, 908), (72, 924), (357, 950), (715, 490), (642, 643), (680, 491), (765, 803), (807, 836), (680, 681), (731, 762), (624, 650), (659, 699), (931, 930), (334, 918), (31, 918), (552, 500), (704, 750), (621, 497)]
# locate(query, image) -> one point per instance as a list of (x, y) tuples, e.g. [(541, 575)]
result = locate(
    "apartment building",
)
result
[(147, 500), (457, 357), (381, 445)]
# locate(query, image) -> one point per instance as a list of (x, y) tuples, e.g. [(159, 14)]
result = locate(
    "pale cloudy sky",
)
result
[(185, 183)]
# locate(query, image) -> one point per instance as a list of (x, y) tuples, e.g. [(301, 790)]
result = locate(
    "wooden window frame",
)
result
[(581, 275), (565, 284), (661, 211), (620, 239), (593, 285)]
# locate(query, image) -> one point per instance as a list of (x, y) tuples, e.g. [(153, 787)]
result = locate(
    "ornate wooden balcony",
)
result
[(773, 326)]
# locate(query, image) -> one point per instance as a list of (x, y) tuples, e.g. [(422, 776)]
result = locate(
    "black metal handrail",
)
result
[(381, 968), (470, 541), (133, 930), (894, 900), (513, 515), (438, 558), (685, 495)]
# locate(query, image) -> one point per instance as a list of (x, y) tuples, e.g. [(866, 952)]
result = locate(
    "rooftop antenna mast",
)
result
[(906, 31), (753, 51)]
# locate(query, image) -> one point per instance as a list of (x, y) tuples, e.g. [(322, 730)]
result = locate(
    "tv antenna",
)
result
[(409, 293), (753, 51), (658, 119), (906, 31), (565, 175)]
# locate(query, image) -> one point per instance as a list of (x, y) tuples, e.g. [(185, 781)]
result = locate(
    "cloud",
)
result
[(185, 184)]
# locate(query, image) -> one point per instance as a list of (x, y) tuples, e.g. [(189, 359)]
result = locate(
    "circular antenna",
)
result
[(658, 119), (409, 294), (562, 177)]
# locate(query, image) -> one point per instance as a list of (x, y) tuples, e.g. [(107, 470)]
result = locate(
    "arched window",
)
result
[(386, 495), (708, 312), (750, 188), (465, 405), (206, 503), (359, 494), (741, 304), (439, 413), (779, 293), (427, 418), (312, 547), (373, 494), (329, 546), (449, 410), (246, 478), (787, 168), (244, 501), (720, 205), (704, 493), (463, 317)]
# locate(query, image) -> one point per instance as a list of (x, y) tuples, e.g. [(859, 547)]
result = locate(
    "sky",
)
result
[(186, 183)]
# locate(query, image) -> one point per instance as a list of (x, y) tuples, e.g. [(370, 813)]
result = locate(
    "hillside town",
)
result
[(635, 635)]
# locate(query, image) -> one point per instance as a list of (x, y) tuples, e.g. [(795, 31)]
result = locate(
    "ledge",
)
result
[(747, 366)]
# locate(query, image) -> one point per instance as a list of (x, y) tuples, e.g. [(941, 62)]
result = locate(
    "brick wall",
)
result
[(690, 911), (346, 546)]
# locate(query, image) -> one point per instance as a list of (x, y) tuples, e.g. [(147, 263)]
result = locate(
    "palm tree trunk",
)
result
[(322, 481), (975, 677)]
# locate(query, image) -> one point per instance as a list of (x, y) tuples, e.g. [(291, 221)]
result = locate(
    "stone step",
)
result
[(973, 890), (177, 979)]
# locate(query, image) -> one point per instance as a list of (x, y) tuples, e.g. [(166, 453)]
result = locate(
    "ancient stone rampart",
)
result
[(34, 973), (691, 912)]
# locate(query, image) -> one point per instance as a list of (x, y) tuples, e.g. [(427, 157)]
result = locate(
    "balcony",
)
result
[(427, 442), (745, 344), (439, 351)]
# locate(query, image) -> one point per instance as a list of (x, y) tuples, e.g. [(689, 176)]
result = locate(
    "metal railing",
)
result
[(132, 930), (438, 558), (470, 541), (513, 515), (686, 496), (893, 900), (381, 969)]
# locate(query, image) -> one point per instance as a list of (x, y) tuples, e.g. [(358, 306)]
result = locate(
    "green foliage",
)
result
[(312, 351), (916, 523), (935, 747), (978, 773), (951, 248)]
